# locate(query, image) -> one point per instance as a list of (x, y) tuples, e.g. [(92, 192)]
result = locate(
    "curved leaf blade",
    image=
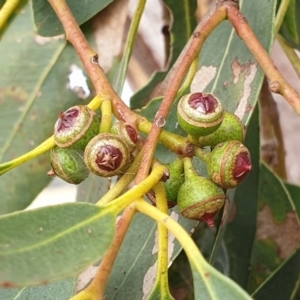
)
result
[(215, 286), (277, 234), (227, 68), (242, 219), (286, 276), (183, 24), (290, 27), (33, 88), (50, 243), (47, 23), (60, 290)]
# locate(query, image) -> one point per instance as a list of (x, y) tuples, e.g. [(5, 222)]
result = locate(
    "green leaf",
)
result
[(286, 276), (33, 85), (242, 217), (294, 192), (133, 272), (215, 286), (92, 189), (51, 243), (290, 27), (160, 291), (60, 290), (231, 72), (277, 231), (272, 193), (183, 24), (46, 22)]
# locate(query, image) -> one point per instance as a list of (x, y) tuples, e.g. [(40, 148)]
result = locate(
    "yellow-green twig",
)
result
[(45, 146), (6, 10), (122, 183), (161, 282), (106, 118), (137, 191), (280, 14)]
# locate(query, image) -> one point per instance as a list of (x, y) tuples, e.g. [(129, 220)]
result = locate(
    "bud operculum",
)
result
[(199, 196), (229, 163), (127, 133), (231, 128), (199, 114), (76, 127), (106, 155), (68, 165)]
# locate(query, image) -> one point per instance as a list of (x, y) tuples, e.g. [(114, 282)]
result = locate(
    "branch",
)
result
[(277, 83), (89, 59), (200, 34)]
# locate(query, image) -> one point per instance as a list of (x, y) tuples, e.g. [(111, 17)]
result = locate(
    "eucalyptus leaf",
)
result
[(242, 216), (133, 273), (278, 228), (182, 26), (294, 191), (290, 27), (46, 244), (46, 22), (60, 290), (286, 276), (212, 285), (34, 87)]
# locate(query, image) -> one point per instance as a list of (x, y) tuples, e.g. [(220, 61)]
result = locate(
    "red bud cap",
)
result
[(109, 158), (209, 218), (204, 103), (106, 155), (242, 166), (66, 120), (228, 164)]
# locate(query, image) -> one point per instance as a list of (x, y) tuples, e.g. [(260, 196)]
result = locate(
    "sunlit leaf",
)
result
[(34, 88), (59, 290), (51, 243), (182, 26), (46, 22)]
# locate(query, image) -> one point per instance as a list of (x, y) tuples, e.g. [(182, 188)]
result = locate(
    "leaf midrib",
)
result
[(32, 98)]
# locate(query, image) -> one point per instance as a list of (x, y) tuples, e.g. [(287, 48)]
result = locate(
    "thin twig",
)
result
[(6, 11), (277, 83)]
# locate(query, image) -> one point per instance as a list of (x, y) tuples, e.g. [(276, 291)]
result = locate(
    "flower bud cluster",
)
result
[(80, 149)]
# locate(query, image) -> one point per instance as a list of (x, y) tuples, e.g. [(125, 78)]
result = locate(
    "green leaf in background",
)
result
[(277, 233), (46, 244), (215, 286), (134, 272), (242, 216), (34, 88), (60, 290), (92, 189), (227, 68), (47, 24), (183, 24), (294, 192), (286, 276), (290, 27)]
